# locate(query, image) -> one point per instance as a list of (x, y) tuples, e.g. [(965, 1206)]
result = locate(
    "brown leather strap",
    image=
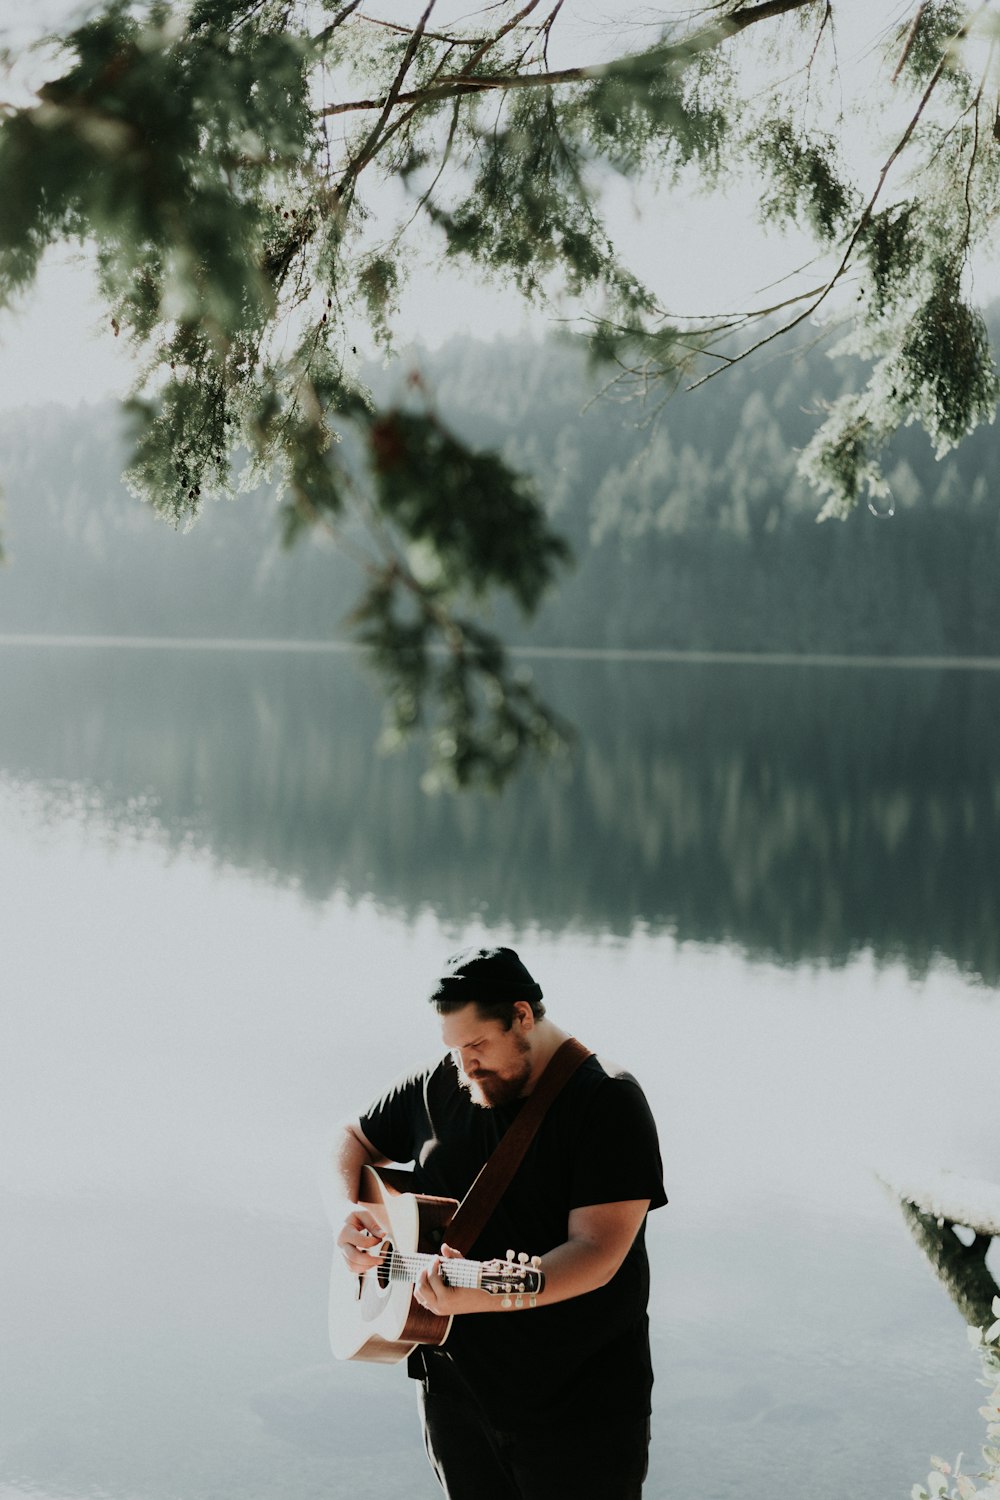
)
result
[(474, 1211)]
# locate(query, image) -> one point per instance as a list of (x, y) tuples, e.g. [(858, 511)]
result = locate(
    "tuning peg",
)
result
[(518, 1302), (536, 1261), (510, 1255), (522, 1259), (507, 1302)]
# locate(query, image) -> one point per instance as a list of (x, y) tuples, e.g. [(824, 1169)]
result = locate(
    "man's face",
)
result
[(493, 1064)]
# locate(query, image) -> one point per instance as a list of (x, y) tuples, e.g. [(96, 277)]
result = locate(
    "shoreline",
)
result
[(41, 641)]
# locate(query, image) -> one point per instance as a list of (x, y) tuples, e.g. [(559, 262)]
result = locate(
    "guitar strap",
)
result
[(474, 1211)]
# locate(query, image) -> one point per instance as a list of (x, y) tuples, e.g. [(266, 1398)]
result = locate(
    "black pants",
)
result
[(473, 1460)]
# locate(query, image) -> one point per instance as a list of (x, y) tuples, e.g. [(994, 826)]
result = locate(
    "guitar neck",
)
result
[(456, 1272)]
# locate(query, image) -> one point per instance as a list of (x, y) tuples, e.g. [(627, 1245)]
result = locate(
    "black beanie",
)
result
[(485, 974)]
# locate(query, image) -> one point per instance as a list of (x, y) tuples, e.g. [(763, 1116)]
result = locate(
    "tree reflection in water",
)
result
[(799, 813)]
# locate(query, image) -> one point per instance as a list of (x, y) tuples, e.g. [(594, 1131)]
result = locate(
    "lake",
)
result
[(770, 891)]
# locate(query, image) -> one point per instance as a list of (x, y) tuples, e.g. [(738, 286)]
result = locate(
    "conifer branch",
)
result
[(911, 34), (464, 84), (864, 219)]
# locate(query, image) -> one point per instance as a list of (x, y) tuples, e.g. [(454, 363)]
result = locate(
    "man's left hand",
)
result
[(446, 1301)]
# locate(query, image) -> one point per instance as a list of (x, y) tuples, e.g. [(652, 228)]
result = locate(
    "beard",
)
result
[(490, 1090)]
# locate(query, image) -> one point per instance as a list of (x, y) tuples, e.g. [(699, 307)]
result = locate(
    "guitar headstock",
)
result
[(514, 1279)]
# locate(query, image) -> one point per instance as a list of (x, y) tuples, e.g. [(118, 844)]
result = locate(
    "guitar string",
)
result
[(424, 1257), (455, 1273), (469, 1267), (465, 1272)]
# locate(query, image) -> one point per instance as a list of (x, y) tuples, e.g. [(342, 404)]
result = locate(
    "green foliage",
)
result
[(666, 106), (937, 369), (806, 184), (528, 212), (945, 371), (483, 717), (890, 245), (378, 283), (841, 461), (939, 24), (162, 147), (465, 522), (478, 520)]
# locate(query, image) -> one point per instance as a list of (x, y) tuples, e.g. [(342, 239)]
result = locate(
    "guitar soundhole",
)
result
[(382, 1271)]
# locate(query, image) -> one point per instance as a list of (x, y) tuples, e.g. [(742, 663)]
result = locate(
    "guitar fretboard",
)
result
[(462, 1273)]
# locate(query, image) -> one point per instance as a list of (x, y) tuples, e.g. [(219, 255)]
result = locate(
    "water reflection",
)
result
[(801, 814)]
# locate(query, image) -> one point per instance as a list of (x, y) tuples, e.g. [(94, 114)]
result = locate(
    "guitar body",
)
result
[(375, 1318)]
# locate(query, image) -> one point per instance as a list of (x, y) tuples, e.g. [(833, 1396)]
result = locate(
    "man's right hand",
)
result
[(361, 1240)]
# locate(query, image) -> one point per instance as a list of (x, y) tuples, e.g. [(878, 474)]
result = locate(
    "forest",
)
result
[(688, 525)]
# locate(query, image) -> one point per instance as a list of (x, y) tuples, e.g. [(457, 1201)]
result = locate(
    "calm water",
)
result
[(772, 892)]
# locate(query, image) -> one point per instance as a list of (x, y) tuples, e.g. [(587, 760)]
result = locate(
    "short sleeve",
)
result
[(618, 1153), (392, 1122)]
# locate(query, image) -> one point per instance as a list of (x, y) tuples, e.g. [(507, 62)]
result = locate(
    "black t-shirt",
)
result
[(596, 1144)]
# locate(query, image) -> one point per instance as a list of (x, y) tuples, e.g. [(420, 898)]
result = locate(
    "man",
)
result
[(538, 1401)]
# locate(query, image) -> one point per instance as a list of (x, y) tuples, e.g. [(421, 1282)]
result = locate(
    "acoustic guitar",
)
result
[(375, 1316)]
